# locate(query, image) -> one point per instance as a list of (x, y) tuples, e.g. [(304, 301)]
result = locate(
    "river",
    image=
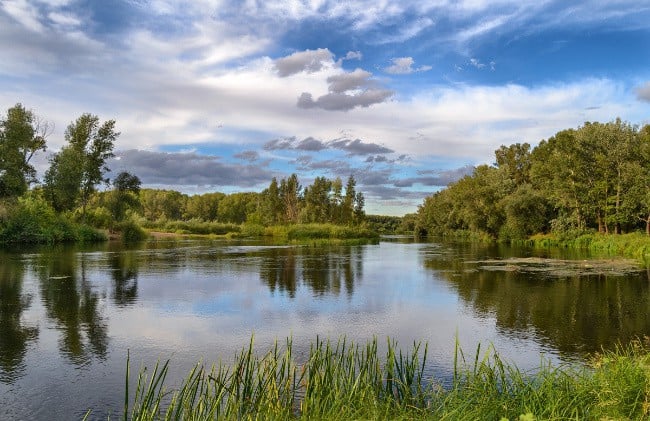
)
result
[(70, 314)]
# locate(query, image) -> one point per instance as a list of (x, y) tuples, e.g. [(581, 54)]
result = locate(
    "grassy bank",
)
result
[(297, 232), (342, 381), (633, 245)]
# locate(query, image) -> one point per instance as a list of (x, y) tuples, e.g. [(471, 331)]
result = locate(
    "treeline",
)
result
[(595, 178), (283, 202), (77, 194)]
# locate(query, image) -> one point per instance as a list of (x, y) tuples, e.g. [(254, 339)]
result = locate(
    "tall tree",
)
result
[(22, 134), (347, 207), (90, 144), (290, 192), (125, 195)]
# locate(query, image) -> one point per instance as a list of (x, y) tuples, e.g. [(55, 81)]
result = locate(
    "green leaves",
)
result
[(22, 134), (80, 166)]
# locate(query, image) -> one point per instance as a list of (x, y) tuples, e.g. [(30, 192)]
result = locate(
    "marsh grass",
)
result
[(342, 380), (634, 245)]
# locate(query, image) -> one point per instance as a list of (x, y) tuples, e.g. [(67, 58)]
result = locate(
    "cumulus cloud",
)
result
[(309, 61), (183, 169), (353, 55), (347, 91), (643, 92), (351, 147), (404, 66)]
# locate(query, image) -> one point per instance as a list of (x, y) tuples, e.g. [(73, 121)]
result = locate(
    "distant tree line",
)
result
[(71, 187), (593, 178), (283, 202)]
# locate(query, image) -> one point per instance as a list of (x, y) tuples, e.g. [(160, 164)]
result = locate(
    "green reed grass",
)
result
[(342, 380)]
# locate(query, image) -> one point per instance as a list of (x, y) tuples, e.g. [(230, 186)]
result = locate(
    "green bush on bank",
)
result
[(131, 231), (32, 220), (342, 380)]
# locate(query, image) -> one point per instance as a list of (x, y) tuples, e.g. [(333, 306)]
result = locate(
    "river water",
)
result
[(70, 314)]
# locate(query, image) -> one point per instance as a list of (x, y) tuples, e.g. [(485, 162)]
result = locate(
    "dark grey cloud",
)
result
[(310, 144), (335, 101), (309, 61), (643, 92), (376, 159), (435, 178), (173, 169), (375, 177), (280, 144), (359, 147), (386, 193), (250, 156)]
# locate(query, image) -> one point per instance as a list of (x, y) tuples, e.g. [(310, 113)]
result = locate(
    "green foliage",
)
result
[(595, 177), (33, 220), (80, 166), (252, 230), (382, 224), (343, 380), (328, 231), (194, 226), (22, 134), (131, 231)]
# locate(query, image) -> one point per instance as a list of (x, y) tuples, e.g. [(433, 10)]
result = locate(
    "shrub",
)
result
[(131, 231)]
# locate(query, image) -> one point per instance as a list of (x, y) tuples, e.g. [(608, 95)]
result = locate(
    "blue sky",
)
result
[(219, 95)]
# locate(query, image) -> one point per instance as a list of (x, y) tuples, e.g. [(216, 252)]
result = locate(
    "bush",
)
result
[(131, 232), (87, 234), (252, 230)]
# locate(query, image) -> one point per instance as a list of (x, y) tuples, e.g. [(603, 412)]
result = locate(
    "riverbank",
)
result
[(296, 232), (342, 380), (635, 245)]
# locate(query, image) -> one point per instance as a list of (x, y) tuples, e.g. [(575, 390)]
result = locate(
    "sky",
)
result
[(406, 96)]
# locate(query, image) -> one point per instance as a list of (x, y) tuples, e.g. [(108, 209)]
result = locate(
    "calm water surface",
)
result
[(69, 315)]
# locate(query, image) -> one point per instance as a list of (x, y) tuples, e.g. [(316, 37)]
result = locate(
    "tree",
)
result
[(124, 196), (516, 161), (90, 145), (347, 207), (22, 134), (290, 193)]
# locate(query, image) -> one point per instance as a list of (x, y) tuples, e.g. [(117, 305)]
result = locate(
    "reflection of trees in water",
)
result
[(278, 270), (124, 272), (71, 303), (325, 270), (14, 337), (574, 314)]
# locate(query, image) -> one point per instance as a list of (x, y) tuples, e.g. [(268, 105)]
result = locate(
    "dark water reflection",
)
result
[(68, 315), (573, 314)]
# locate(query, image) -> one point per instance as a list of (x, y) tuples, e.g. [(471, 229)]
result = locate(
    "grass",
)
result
[(342, 380), (634, 245), (297, 232)]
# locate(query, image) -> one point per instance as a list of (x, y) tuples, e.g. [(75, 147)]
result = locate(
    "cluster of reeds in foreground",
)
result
[(342, 381)]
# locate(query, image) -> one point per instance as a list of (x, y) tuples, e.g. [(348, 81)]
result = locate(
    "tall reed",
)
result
[(342, 380)]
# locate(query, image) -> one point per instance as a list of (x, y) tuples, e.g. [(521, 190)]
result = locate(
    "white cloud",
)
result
[(404, 66), (25, 13)]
